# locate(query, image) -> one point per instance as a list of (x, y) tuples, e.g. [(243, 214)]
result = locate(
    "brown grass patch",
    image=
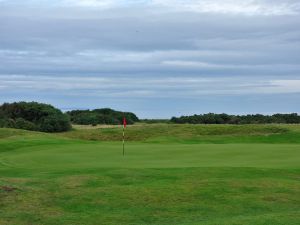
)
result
[(8, 188)]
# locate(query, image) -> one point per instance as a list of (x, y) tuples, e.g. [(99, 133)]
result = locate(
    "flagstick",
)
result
[(124, 125), (123, 140)]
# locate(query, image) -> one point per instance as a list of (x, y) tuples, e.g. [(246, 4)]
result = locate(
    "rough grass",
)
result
[(171, 174), (188, 196), (189, 134)]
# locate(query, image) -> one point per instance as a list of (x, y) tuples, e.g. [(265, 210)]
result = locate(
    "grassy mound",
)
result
[(170, 133)]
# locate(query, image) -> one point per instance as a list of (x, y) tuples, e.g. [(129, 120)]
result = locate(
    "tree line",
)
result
[(212, 118), (46, 118), (101, 116)]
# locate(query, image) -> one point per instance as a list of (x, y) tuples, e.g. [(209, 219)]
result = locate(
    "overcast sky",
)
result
[(157, 58)]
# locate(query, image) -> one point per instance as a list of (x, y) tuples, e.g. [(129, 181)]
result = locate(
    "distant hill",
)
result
[(33, 116), (101, 116)]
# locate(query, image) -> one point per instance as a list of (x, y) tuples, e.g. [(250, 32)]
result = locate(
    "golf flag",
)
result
[(124, 125), (124, 122)]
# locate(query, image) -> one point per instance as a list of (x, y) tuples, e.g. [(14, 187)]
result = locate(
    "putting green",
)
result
[(68, 156)]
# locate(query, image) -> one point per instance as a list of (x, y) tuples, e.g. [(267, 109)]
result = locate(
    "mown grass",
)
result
[(155, 196), (171, 174)]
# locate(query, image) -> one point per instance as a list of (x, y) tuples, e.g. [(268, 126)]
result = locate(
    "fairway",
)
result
[(170, 174)]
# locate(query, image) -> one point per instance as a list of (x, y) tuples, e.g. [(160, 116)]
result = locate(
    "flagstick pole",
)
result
[(123, 140)]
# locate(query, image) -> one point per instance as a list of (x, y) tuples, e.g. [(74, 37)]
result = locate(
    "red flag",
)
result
[(124, 122)]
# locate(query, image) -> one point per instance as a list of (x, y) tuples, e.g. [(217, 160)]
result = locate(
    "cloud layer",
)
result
[(150, 50), (247, 7), (136, 87)]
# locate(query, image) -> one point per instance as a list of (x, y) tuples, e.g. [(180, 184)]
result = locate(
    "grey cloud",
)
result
[(149, 49), (149, 87), (247, 7), (145, 42)]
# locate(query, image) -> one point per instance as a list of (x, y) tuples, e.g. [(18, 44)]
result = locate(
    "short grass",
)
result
[(170, 175)]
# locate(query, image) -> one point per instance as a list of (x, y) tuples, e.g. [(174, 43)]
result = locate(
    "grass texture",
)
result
[(170, 175)]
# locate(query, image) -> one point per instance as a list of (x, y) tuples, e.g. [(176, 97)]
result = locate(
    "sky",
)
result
[(156, 58)]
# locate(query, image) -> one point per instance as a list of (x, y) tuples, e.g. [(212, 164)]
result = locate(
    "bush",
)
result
[(55, 123), (101, 116), (212, 118), (24, 124), (9, 123), (33, 116)]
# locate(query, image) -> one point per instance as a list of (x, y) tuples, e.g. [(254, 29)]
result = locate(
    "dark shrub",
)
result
[(33, 116), (24, 124), (9, 123), (212, 118), (55, 123), (101, 116)]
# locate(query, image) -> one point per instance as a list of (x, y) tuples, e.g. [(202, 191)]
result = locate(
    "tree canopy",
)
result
[(101, 116), (211, 118), (33, 116)]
